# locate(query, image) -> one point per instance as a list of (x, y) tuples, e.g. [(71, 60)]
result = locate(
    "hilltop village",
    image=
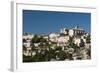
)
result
[(68, 44)]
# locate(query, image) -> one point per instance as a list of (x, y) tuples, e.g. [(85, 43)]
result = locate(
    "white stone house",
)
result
[(79, 42), (27, 44), (29, 36), (46, 37), (62, 40), (53, 37), (76, 31)]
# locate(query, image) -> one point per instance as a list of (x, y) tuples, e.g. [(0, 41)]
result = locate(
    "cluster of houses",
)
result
[(60, 39)]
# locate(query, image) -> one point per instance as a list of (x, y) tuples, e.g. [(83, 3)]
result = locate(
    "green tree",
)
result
[(72, 45), (61, 55), (82, 44), (24, 40), (52, 53), (35, 39), (58, 48), (70, 39), (42, 39), (27, 58), (24, 48), (88, 39)]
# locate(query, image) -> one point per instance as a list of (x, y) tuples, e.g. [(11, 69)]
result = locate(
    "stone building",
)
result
[(72, 32)]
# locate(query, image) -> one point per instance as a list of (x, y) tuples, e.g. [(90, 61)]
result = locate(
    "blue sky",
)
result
[(40, 22)]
